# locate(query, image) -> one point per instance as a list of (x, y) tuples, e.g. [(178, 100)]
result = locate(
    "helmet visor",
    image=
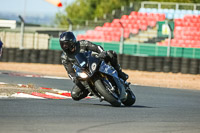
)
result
[(67, 45)]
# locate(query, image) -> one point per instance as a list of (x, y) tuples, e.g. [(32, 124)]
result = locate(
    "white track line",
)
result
[(2, 97), (2, 83), (23, 95), (57, 95), (54, 77), (61, 91)]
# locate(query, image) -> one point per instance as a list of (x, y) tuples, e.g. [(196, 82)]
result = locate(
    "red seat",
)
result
[(98, 28), (124, 21), (116, 25), (116, 38), (161, 17), (107, 38), (129, 26), (116, 29), (152, 23), (80, 37), (133, 13), (106, 24), (174, 42), (135, 26), (143, 27), (116, 21), (134, 30), (124, 17), (125, 24), (142, 14), (178, 22), (126, 34)]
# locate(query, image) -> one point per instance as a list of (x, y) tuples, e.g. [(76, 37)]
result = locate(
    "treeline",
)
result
[(81, 10)]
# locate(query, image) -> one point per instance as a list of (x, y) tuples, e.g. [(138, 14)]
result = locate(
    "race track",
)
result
[(156, 110)]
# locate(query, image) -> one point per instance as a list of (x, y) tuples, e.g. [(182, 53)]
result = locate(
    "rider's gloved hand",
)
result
[(103, 55)]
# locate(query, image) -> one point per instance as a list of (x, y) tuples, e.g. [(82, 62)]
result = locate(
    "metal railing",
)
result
[(176, 5)]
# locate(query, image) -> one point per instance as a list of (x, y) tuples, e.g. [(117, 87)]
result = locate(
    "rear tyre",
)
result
[(130, 98), (108, 96)]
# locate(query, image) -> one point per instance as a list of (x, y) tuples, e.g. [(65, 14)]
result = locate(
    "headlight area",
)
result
[(83, 75)]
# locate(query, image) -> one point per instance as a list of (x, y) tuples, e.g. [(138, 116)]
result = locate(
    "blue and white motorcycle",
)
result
[(102, 80)]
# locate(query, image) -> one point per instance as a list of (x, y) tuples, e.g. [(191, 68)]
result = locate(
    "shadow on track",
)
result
[(108, 105)]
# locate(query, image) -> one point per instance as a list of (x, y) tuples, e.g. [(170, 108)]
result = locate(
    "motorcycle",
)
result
[(102, 80)]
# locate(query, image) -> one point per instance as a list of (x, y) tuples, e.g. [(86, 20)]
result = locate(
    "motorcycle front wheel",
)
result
[(130, 98), (108, 96)]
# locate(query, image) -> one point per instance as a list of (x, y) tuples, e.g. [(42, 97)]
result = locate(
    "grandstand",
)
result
[(186, 32), (131, 24), (142, 26)]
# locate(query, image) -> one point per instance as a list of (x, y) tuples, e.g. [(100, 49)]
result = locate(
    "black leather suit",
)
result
[(78, 91)]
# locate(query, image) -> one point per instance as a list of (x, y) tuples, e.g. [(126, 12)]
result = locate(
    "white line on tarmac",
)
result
[(57, 95), (23, 95)]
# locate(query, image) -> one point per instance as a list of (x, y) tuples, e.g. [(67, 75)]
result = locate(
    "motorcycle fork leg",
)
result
[(122, 90), (90, 83)]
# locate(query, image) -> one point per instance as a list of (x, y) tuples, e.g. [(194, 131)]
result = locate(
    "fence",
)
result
[(172, 5), (31, 40), (141, 49)]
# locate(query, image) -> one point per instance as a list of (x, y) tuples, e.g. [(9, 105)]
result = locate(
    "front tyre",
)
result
[(130, 98), (107, 94)]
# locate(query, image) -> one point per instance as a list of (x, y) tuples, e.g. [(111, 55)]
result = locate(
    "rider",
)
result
[(1, 44), (71, 47)]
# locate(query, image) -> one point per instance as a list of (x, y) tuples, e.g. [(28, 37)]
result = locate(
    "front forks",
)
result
[(120, 86)]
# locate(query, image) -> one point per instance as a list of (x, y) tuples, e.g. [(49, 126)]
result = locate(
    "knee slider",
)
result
[(75, 96)]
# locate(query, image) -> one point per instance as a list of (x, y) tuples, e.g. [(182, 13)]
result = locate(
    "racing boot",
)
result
[(121, 74)]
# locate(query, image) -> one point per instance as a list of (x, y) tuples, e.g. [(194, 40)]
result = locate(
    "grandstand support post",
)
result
[(104, 16), (121, 47), (86, 23), (70, 27), (131, 4), (169, 39), (122, 8), (22, 32), (113, 14), (70, 24)]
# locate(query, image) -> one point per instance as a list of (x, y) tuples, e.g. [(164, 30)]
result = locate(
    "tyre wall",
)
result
[(31, 56), (141, 63), (160, 64)]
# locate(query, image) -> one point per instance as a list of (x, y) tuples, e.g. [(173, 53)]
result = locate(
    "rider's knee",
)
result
[(75, 96), (112, 54), (78, 94)]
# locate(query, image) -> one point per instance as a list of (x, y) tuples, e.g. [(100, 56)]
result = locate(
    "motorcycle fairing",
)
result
[(85, 60), (109, 70)]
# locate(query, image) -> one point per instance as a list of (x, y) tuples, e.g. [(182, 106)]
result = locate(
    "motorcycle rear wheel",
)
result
[(106, 94)]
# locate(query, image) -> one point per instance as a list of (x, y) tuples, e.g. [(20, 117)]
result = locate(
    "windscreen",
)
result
[(81, 59)]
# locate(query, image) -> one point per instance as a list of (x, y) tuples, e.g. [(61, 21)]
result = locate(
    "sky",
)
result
[(30, 7)]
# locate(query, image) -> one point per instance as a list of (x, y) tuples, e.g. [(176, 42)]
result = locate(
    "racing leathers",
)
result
[(68, 59)]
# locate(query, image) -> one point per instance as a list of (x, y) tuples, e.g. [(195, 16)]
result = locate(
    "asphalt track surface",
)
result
[(156, 110)]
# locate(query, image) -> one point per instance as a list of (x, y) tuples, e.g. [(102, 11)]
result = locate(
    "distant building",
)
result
[(12, 24)]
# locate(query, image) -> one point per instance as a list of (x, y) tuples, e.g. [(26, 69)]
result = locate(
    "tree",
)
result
[(81, 10), (78, 12)]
